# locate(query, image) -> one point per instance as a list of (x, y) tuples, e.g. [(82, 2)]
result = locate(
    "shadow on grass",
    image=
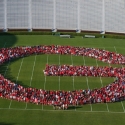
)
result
[(8, 40), (74, 107), (6, 72), (3, 123)]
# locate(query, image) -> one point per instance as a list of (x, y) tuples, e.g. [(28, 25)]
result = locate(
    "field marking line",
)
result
[(26, 106), (17, 78), (100, 76), (47, 58), (45, 75), (72, 76), (19, 69), (33, 70), (106, 102), (7, 68), (10, 104), (102, 85), (122, 67), (59, 76), (87, 79), (10, 100), (20, 109)]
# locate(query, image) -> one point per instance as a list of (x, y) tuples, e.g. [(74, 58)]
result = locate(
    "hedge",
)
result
[(73, 34)]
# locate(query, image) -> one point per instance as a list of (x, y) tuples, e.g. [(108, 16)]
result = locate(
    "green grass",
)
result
[(28, 71)]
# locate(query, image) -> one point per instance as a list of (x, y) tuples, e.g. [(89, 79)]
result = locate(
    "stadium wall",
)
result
[(71, 15)]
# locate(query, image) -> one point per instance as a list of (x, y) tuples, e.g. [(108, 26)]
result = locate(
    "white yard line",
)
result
[(107, 107), (87, 80), (47, 57), (19, 70), (106, 102), (121, 101), (26, 106), (6, 68), (72, 76), (115, 49), (33, 70), (10, 104), (17, 78), (32, 75), (102, 86), (100, 76), (19, 109), (59, 76)]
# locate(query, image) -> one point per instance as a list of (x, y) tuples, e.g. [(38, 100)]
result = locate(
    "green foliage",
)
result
[(114, 36), (73, 34)]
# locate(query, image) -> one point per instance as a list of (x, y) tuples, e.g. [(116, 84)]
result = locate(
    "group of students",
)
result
[(99, 54), (70, 70), (110, 93), (113, 92)]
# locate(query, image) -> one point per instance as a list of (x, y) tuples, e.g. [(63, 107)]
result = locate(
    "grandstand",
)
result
[(75, 15)]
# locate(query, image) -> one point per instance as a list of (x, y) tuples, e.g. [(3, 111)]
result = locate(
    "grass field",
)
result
[(28, 71)]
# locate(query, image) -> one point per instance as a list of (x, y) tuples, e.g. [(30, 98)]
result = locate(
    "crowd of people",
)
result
[(69, 70), (113, 92), (99, 54), (110, 93)]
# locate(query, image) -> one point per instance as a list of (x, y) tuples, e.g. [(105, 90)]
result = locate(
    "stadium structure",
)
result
[(74, 15)]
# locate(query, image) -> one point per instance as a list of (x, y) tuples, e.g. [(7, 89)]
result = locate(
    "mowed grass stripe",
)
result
[(26, 71), (15, 104), (38, 76), (65, 59), (99, 107), (4, 103), (13, 69)]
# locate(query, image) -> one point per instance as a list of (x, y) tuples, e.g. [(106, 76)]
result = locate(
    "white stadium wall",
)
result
[(80, 15), (2, 14)]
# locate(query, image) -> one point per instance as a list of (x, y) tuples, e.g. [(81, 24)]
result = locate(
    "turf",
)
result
[(28, 71)]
